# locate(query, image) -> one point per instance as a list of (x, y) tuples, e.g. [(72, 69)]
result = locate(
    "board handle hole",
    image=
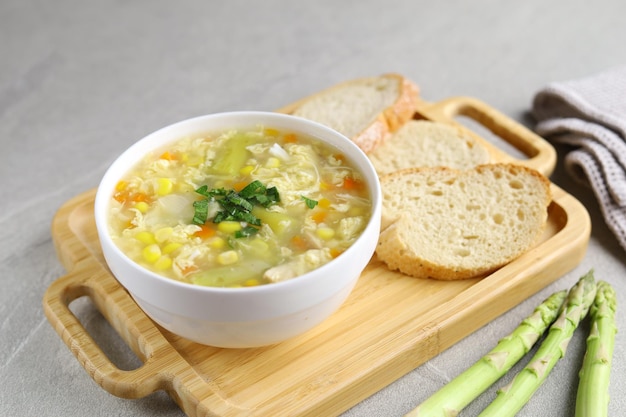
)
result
[(103, 334)]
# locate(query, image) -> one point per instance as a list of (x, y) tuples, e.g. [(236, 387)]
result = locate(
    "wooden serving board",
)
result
[(389, 325)]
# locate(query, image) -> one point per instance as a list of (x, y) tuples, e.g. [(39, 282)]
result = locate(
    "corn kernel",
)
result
[(271, 132), (142, 206), (168, 156), (325, 233), (121, 185), (229, 227), (216, 242), (170, 247), (163, 234), (251, 283), (228, 257), (145, 237), (152, 253), (272, 163), (164, 186), (246, 170), (323, 203), (163, 263)]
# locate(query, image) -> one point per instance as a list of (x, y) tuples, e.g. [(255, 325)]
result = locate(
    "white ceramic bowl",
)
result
[(240, 317)]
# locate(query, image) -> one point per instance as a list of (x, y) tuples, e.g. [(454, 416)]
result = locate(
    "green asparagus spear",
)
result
[(514, 396), (463, 389), (592, 399)]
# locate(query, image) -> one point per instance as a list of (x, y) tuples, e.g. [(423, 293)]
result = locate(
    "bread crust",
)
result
[(405, 106), (388, 120), (392, 118)]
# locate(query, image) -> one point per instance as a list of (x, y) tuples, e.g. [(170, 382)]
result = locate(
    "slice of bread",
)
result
[(422, 143), (450, 224), (365, 110)]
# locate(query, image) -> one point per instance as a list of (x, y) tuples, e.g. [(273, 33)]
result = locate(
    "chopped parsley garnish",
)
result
[(309, 203), (235, 206), (246, 231), (201, 211), (256, 192)]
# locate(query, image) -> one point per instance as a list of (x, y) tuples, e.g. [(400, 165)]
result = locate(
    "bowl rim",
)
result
[(132, 155)]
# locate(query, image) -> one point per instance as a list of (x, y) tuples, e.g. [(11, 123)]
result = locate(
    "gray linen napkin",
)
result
[(590, 115)]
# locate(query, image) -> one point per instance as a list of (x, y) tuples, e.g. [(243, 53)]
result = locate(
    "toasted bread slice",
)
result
[(421, 143), (365, 110), (456, 224)]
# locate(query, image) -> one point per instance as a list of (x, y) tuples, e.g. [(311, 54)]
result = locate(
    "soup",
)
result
[(239, 208)]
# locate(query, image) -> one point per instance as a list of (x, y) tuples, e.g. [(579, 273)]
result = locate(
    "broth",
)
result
[(239, 208)]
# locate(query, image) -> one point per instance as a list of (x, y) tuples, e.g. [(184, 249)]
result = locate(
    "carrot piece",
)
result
[(125, 196), (350, 183), (140, 197), (298, 242), (334, 252), (319, 216), (189, 270), (121, 197), (238, 186), (205, 232), (291, 138)]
